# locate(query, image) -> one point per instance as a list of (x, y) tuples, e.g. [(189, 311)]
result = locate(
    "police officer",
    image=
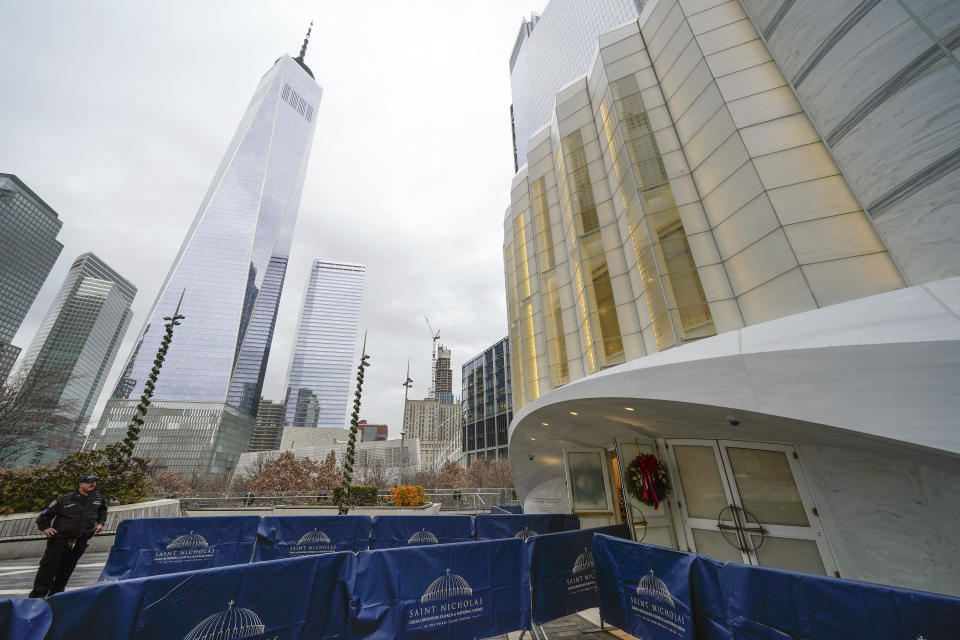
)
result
[(68, 522)]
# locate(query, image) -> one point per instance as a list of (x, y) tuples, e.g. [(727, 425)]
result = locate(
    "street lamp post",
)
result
[(403, 450)]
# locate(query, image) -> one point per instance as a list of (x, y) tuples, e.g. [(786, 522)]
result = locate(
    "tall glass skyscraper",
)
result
[(318, 381), (79, 339), (28, 249), (229, 273)]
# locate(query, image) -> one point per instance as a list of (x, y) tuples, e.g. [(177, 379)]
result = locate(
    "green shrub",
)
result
[(359, 496), (121, 479)]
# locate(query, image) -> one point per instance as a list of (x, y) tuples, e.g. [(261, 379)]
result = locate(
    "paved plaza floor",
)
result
[(16, 579)]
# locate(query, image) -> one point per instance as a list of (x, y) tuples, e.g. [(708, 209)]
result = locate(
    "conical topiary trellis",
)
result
[(343, 507)]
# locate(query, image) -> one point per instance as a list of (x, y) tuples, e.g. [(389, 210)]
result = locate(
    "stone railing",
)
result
[(22, 526)]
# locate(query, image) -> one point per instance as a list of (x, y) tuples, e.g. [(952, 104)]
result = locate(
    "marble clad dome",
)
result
[(449, 585), (232, 624), (188, 540), (584, 562), (314, 537), (423, 537), (525, 534), (651, 585)]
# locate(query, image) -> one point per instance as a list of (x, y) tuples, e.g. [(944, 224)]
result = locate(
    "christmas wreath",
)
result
[(647, 480)]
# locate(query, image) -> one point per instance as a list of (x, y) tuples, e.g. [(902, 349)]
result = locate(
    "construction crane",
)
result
[(433, 359)]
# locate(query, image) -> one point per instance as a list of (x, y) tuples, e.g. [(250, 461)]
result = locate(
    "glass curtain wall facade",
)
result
[(551, 49), (28, 250), (227, 280), (78, 340), (679, 191), (321, 365), (487, 404)]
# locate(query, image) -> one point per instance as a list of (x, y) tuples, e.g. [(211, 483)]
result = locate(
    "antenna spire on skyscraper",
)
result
[(306, 41)]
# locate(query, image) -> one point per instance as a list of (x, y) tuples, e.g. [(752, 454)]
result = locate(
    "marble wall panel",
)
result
[(839, 280), (878, 46), (692, 86), (763, 106), (718, 16), (716, 286), (693, 218), (727, 36), (795, 165), (802, 30), (813, 199), (738, 58), (672, 73), (703, 248), (762, 11), (658, 34), (753, 221), (726, 315), (923, 231), (907, 132), (782, 296), (699, 112), (762, 261), (779, 134), (750, 81), (632, 44), (741, 187), (728, 157), (691, 7), (714, 132), (842, 236)]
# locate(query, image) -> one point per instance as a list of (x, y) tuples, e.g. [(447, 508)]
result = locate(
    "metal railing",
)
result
[(475, 500)]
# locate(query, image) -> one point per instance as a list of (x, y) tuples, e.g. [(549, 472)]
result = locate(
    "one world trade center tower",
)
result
[(227, 279)]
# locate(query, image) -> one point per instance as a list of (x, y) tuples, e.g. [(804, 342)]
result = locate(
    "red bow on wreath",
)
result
[(649, 465)]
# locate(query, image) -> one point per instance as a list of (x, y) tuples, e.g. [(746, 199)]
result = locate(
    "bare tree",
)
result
[(33, 412), (452, 476)]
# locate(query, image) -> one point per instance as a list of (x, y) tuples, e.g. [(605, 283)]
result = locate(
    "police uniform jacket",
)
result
[(74, 514)]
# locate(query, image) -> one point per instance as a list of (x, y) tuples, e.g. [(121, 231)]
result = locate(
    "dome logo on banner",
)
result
[(653, 608), (190, 547), (423, 537), (525, 534), (449, 600), (584, 576), (232, 624), (312, 543)]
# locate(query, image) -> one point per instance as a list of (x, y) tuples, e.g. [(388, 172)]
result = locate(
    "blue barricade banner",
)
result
[(764, 603), (292, 536), (154, 546), (562, 575), (389, 532), (509, 508), (291, 599), (24, 619), (524, 526), (449, 591), (644, 590)]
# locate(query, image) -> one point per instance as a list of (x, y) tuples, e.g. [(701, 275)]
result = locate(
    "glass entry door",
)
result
[(588, 487), (747, 502)]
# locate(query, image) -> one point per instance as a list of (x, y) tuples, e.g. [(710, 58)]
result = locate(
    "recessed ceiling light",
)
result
[(532, 438), (628, 408), (574, 413), (546, 424)]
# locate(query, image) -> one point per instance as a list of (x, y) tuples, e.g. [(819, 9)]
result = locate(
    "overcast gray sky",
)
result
[(117, 114)]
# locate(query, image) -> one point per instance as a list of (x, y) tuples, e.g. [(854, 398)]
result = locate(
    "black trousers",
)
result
[(58, 562)]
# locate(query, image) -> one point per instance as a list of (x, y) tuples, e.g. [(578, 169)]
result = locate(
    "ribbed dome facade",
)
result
[(525, 534), (652, 586), (423, 537), (449, 585), (187, 541), (314, 537), (232, 624), (584, 562)]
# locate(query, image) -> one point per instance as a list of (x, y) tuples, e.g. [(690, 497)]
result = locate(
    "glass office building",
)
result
[(79, 339), (226, 280), (28, 250), (486, 404), (321, 365)]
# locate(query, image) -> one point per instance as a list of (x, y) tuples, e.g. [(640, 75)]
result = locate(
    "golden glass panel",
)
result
[(602, 304), (531, 386), (541, 217), (520, 242), (556, 338)]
